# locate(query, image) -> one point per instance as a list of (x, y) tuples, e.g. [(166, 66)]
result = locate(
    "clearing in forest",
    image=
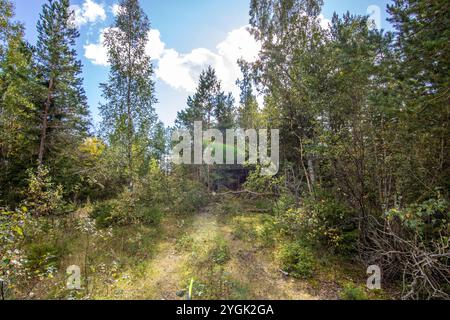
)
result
[(228, 254)]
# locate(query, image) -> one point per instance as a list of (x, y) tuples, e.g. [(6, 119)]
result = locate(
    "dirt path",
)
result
[(165, 274), (168, 272)]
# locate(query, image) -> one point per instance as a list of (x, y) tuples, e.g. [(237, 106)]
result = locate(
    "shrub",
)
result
[(101, 213), (43, 197), (126, 209), (148, 215), (266, 234), (352, 292), (189, 197), (297, 260), (220, 253), (256, 181), (12, 258), (322, 219), (42, 259)]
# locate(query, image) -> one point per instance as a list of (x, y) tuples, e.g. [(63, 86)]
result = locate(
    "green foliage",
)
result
[(429, 220), (43, 197), (352, 292), (124, 210), (321, 219), (12, 258), (210, 105), (188, 196), (267, 232), (220, 252), (128, 115), (248, 113), (297, 260), (43, 259), (230, 207), (60, 74), (263, 183)]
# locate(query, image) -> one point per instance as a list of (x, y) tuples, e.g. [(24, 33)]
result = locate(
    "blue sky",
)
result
[(187, 36)]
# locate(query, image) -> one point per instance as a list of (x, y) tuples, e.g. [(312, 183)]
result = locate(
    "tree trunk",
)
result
[(312, 172), (45, 123), (129, 115)]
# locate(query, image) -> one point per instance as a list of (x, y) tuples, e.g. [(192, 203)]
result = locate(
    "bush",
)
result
[(127, 209), (189, 197), (297, 260), (148, 215), (220, 253), (351, 292), (43, 197), (101, 213), (322, 219), (42, 259), (12, 258), (258, 182), (267, 232)]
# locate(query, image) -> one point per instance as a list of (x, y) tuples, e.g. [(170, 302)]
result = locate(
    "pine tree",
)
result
[(224, 112), (64, 113), (128, 113), (248, 110), (210, 105)]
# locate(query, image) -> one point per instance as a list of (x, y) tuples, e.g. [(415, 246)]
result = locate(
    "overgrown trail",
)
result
[(165, 274), (168, 269), (249, 271)]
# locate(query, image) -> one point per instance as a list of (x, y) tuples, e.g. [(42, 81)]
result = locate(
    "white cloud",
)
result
[(181, 70), (89, 12), (97, 53), (155, 47)]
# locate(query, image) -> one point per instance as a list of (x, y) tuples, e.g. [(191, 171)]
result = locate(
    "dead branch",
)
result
[(241, 192)]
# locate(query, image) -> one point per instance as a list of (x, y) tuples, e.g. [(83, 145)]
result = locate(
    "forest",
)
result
[(358, 208)]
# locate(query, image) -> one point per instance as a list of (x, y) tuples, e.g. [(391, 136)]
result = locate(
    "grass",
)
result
[(230, 254)]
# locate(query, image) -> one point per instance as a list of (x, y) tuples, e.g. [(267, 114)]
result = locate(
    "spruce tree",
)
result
[(423, 75), (64, 115)]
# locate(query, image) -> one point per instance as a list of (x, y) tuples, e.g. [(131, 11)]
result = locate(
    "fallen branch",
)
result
[(259, 210), (286, 274), (256, 194)]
